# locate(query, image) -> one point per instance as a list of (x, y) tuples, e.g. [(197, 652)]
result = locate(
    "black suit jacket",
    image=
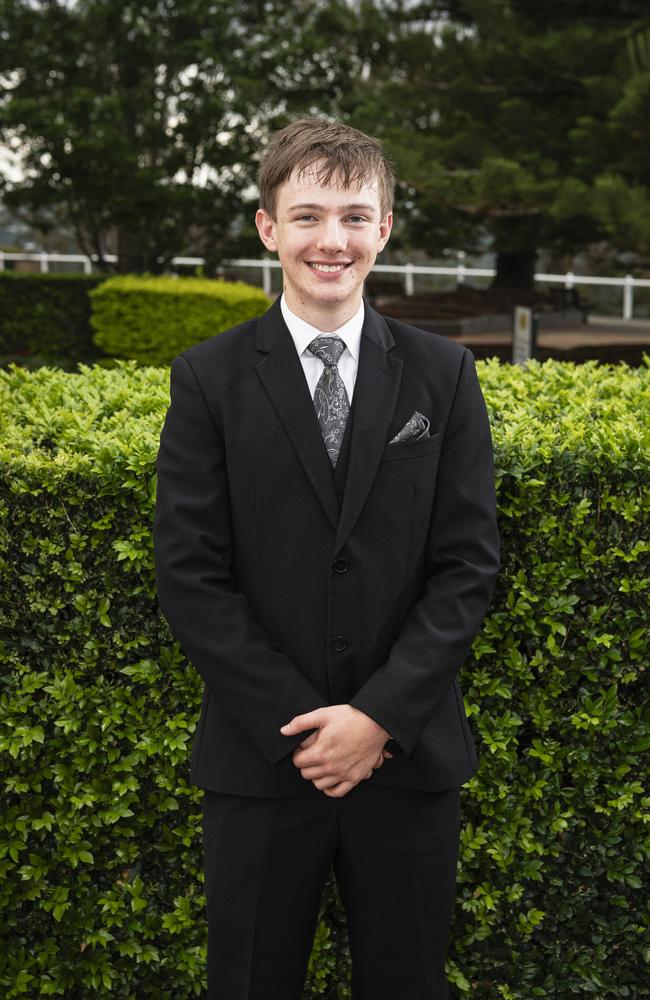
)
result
[(282, 601)]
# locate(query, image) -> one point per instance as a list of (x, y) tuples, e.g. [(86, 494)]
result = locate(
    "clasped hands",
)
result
[(346, 748)]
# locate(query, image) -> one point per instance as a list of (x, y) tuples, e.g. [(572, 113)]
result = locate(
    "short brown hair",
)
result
[(340, 150)]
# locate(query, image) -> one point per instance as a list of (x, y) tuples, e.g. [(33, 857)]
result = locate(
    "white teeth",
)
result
[(328, 267)]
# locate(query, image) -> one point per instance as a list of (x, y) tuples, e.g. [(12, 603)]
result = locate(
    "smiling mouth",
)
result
[(328, 268)]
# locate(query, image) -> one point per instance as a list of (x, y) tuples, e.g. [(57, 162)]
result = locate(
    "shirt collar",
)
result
[(303, 333)]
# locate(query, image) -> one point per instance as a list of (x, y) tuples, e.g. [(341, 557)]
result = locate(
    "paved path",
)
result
[(602, 336)]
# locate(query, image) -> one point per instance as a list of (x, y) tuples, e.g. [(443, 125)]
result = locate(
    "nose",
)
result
[(331, 236)]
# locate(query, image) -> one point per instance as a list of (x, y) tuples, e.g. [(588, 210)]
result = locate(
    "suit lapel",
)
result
[(283, 378), (375, 397)]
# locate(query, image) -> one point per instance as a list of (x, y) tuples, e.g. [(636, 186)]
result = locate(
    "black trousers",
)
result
[(394, 854)]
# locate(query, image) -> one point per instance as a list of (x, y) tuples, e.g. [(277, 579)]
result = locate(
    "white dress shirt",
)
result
[(303, 334)]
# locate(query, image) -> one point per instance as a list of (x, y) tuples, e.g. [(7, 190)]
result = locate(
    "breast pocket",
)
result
[(413, 449)]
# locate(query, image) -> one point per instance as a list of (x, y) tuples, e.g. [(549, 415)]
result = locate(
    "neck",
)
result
[(325, 317)]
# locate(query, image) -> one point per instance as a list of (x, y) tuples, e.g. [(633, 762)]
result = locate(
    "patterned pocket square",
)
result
[(416, 427)]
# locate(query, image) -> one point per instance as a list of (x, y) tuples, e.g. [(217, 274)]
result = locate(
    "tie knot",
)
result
[(328, 349)]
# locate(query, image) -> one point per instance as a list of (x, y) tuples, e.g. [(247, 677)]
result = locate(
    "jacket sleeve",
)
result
[(462, 558), (197, 593)]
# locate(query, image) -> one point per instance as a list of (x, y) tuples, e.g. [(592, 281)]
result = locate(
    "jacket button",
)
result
[(339, 643), (340, 565)]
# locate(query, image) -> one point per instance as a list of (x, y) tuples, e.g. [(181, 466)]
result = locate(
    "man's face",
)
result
[(327, 239)]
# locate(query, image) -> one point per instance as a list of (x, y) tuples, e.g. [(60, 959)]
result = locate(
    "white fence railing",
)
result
[(627, 284)]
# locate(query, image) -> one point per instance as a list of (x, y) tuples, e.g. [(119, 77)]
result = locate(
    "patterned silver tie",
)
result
[(330, 398)]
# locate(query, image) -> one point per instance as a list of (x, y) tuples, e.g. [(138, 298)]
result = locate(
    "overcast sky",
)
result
[(7, 168)]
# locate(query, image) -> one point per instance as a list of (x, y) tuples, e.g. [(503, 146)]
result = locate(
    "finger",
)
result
[(327, 781), (307, 758), (338, 791), (311, 720), (316, 773)]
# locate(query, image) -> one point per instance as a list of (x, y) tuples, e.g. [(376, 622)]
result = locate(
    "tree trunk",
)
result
[(132, 257), (516, 268)]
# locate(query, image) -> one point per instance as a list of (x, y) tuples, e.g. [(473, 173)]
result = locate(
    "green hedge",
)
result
[(47, 315), (152, 319), (100, 857)]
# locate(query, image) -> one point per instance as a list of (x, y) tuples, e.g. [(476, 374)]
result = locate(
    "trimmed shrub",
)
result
[(100, 841), (152, 319), (47, 315)]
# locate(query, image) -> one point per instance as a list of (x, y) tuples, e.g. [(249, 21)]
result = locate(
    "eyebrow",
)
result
[(359, 206)]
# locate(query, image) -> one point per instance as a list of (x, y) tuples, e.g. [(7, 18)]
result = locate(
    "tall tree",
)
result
[(614, 151), (140, 121), (482, 102)]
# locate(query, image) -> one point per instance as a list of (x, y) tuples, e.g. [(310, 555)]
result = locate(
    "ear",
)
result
[(266, 228), (385, 227)]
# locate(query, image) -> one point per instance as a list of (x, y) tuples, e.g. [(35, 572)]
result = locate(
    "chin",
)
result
[(332, 300), (334, 293)]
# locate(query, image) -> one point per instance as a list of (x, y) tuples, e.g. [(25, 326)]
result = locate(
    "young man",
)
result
[(326, 542)]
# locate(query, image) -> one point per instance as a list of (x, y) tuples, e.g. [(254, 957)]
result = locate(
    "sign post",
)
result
[(524, 335)]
